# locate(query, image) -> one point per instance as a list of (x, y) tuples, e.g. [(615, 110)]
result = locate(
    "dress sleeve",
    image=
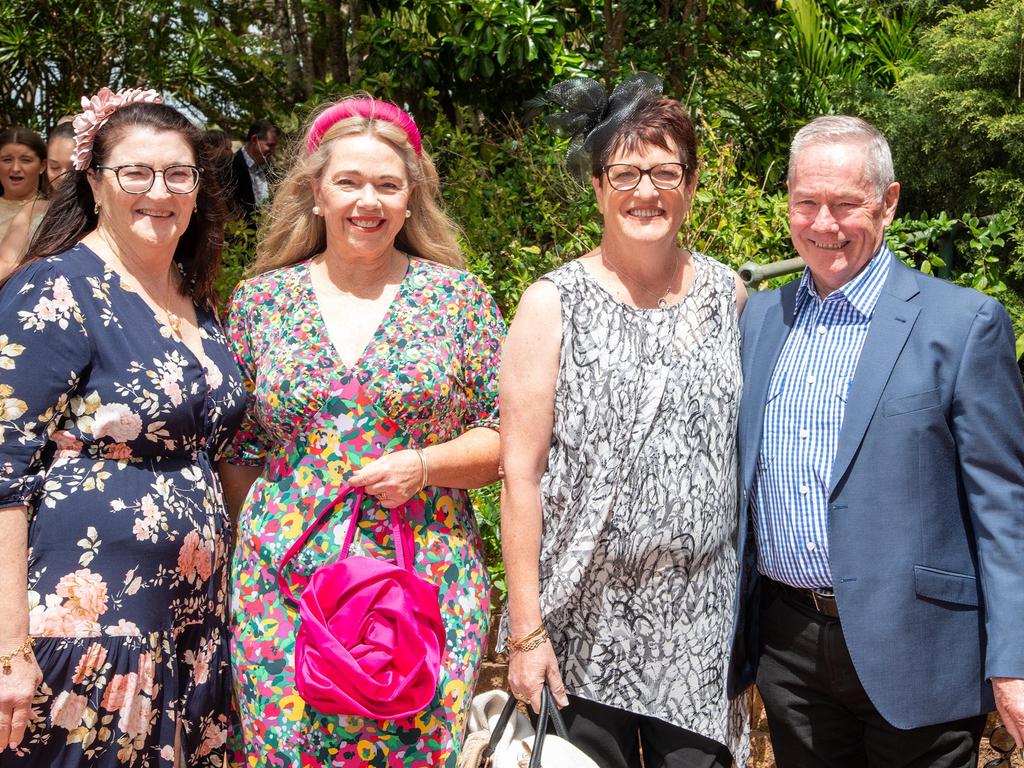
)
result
[(44, 352), (482, 333), (249, 446)]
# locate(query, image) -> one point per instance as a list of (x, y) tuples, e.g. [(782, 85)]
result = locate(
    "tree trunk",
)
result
[(337, 41), (355, 21), (281, 30), (304, 46), (615, 34)]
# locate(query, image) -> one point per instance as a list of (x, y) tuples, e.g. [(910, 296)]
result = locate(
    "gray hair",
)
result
[(846, 129)]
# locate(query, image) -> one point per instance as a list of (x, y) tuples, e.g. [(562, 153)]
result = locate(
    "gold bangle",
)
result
[(423, 468), (529, 641), (25, 649)]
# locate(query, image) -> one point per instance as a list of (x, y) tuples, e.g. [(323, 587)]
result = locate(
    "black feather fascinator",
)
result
[(590, 116)]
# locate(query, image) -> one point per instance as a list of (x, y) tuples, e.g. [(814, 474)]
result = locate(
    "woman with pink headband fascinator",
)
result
[(121, 392), (371, 359)]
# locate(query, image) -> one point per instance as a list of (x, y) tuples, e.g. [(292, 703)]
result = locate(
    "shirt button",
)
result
[(811, 546), (811, 379), (804, 490), (805, 433), (822, 330)]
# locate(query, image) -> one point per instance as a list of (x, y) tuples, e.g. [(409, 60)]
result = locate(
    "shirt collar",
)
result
[(250, 162), (861, 293)]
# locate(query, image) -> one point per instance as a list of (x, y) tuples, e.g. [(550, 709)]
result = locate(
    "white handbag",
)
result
[(499, 736)]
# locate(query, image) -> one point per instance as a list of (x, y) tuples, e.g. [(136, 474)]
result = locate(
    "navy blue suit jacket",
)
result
[(926, 504), (242, 193)]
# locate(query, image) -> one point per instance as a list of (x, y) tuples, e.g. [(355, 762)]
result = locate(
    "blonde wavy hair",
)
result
[(292, 233)]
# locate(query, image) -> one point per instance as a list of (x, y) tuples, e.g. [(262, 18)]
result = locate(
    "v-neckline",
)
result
[(202, 358), (328, 337)]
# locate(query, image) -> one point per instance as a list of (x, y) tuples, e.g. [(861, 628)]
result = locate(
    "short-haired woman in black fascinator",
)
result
[(619, 390)]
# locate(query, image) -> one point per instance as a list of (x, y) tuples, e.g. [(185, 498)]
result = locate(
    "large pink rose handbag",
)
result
[(370, 636)]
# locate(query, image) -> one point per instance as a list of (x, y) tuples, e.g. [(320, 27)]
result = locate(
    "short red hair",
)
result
[(657, 122)]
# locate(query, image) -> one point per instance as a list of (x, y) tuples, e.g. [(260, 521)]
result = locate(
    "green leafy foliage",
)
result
[(959, 114), (487, 504)]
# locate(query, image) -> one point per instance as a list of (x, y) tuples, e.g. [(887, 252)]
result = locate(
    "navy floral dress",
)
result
[(110, 428)]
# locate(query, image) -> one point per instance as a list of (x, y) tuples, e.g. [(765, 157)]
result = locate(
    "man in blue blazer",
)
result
[(881, 598)]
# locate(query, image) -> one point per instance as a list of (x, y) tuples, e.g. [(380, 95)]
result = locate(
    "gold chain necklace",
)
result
[(662, 300), (172, 320)]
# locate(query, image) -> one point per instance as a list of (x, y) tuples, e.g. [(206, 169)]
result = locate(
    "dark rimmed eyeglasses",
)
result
[(137, 178), (624, 176), (1002, 742)]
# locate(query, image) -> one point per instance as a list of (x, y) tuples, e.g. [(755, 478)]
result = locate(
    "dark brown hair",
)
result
[(657, 122), (33, 141), (72, 215)]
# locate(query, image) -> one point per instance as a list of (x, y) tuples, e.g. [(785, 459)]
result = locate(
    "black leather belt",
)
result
[(822, 602)]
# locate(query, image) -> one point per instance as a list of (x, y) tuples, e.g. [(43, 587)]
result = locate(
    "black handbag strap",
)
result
[(548, 713), (499, 728)]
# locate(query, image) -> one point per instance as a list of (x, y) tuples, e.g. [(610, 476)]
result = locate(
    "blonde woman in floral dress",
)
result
[(357, 306), (118, 392)]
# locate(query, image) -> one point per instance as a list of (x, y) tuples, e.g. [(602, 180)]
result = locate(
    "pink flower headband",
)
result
[(96, 111), (370, 109)]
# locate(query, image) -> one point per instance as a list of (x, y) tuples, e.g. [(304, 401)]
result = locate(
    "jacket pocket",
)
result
[(894, 406), (933, 584)]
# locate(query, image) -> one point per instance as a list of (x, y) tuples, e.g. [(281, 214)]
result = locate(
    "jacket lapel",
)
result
[(767, 346), (891, 324)]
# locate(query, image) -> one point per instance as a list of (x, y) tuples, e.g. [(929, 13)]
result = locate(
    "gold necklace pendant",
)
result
[(174, 322)]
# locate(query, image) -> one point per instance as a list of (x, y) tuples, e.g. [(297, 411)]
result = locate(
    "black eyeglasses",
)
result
[(137, 179), (624, 177), (1002, 742)]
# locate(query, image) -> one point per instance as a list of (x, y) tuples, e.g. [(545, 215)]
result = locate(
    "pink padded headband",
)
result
[(370, 109)]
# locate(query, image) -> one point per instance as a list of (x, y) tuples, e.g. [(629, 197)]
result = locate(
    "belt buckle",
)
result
[(825, 604)]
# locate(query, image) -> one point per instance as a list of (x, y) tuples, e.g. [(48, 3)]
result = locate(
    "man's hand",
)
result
[(1009, 693)]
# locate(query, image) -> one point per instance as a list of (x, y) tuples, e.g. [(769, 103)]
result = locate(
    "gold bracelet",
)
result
[(529, 641), (25, 649), (423, 468), (529, 636)]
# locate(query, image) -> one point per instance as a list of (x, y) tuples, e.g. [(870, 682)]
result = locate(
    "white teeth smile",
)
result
[(366, 223), (645, 213), (157, 214), (831, 246)]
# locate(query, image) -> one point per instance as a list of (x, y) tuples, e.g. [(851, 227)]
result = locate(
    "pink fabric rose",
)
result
[(96, 111)]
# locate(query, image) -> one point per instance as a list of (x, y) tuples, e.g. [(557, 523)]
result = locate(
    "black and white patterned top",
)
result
[(637, 562)]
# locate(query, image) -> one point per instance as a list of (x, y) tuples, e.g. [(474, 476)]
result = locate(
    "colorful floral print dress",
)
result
[(110, 429), (429, 371)]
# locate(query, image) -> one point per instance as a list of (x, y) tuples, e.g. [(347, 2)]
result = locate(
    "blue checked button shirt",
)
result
[(802, 419)]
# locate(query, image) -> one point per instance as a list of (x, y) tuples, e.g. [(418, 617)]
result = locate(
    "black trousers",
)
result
[(818, 713), (613, 739)]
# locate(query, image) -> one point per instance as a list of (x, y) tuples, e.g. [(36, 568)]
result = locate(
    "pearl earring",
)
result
[(96, 209), (408, 213), (316, 210)]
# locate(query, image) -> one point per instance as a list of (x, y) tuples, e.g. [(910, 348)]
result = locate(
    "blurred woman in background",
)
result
[(25, 222), (22, 169)]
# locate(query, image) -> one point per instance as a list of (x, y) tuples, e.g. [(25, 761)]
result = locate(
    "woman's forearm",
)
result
[(468, 461), (520, 547), (13, 577)]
